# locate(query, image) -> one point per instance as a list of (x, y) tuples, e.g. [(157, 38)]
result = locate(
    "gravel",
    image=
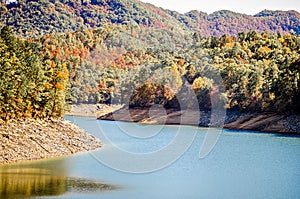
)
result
[(33, 139)]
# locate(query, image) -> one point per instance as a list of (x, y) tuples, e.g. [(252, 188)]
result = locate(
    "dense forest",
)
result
[(31, 84), (30, 18), (46, 65)]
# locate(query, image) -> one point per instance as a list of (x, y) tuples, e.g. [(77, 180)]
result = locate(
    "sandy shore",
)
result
[(31, 139)]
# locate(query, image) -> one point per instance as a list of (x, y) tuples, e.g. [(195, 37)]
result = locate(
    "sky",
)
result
[(242, 6)]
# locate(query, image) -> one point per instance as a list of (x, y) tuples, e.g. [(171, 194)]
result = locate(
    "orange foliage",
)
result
[(59, 86), (180, 62), (266, 49), (230, 44)]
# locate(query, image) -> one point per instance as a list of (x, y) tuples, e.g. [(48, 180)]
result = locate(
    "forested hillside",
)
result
[(230, 23), (54, 53), (258, 71), (31, 18)]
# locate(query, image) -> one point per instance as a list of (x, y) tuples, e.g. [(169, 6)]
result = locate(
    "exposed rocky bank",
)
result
[(32, 139), (258, 121), (92, 110)]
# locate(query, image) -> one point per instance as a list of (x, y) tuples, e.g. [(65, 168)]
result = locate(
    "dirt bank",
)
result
[(32, 139), (267, 122), (91, 110)]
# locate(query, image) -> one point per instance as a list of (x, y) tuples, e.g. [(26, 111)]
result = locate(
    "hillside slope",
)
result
[(30, 18)]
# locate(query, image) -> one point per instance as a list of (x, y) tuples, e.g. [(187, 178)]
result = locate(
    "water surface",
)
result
[(243, 164)]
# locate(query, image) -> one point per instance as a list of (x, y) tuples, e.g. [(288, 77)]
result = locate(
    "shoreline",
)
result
[(26, 140), (236, 120), (92, 110), (37, 139)]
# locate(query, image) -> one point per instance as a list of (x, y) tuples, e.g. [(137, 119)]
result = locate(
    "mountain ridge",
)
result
[(34, 18)]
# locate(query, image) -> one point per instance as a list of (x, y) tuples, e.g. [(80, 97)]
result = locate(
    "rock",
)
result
[(31, 139), (258, 121)]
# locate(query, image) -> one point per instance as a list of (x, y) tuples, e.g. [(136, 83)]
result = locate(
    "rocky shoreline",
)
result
[(33, 139), (256, 121)]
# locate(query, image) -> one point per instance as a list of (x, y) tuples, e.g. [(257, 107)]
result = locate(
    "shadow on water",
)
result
[(273, 134), (33, 180), (287, 135)]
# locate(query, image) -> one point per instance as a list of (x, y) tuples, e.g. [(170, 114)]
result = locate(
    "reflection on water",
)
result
[(22, 181), (30, 182)]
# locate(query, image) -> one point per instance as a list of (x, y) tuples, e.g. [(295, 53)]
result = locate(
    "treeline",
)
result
[(231, 23), (250, 72), (147, 66), (254, 72), (30, 18)]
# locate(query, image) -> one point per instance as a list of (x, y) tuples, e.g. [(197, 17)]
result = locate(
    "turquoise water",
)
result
[(242, 164)]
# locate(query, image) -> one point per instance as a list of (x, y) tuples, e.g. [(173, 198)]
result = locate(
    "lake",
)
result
[(142, 161)]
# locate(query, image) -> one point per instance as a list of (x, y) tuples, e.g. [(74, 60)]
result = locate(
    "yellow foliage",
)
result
[(168, 93), (281, 40), (271, 96), (288, 50), (63, 75), (265, 50), (47, 86), (202, 83)]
